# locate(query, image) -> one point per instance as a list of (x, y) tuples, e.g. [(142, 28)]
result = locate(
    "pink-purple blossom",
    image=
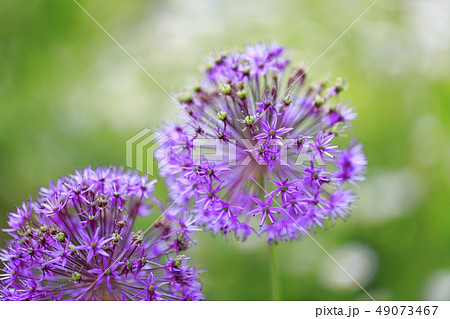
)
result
[(281, 171), (78, 241)]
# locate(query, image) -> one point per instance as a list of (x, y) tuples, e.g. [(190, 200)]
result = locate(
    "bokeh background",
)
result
[(70, 97)]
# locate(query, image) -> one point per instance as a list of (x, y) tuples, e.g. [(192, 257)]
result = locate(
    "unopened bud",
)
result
[(318, 100), (222, 115), (226, 89), (242, 94), (76, 276), (60, 236), (250, 120)]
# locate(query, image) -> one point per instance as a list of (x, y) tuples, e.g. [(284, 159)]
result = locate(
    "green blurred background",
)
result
[(70, 97)]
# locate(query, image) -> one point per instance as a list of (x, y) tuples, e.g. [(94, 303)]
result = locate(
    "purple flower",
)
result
[(271, 131), (351, 164), (275, 135), (315, 177), (76, 242), (322, 146), (266, 210), (150, 288), (284, 188), (262, 58), (18, 218), (338, 114), (339, 204), (94, 245)]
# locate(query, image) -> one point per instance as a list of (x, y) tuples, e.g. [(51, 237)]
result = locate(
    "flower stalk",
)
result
[(274, 273)]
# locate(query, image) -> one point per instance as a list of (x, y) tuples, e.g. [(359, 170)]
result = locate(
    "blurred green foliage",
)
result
[(70, 97)]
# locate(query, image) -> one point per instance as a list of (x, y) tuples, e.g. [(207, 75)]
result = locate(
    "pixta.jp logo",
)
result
[(142, 148), (140, 151)]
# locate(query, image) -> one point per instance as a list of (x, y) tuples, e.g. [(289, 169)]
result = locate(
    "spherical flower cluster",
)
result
[(259, 143), (76, 242)]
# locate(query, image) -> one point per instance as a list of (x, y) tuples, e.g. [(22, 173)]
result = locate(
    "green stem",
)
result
[(275, 283)]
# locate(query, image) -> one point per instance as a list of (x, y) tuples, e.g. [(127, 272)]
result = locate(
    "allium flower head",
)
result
[(76, 241), (273, 143)]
